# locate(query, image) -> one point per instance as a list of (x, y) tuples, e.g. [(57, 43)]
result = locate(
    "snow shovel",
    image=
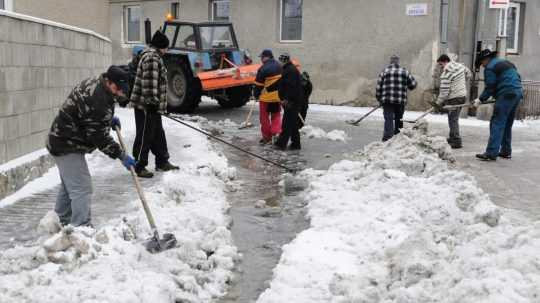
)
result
[(355, 122), (154, 244), (247, 123), (301, 119), (429, 111)]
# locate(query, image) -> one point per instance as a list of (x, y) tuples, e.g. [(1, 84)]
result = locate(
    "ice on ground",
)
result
[(394, 223), (313, 132), (110, 264)]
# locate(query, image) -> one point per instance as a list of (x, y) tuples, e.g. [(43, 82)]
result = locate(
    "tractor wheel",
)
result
[(183, 91), (236, 97)]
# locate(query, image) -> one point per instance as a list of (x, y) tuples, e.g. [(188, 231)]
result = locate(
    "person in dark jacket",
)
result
[(266, 90), (503, 82), (291, 94), (83, 124), (391, 93), (149, 98)]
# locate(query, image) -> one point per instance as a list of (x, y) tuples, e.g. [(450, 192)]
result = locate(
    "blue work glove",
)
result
[(115, 123), (128, 161)]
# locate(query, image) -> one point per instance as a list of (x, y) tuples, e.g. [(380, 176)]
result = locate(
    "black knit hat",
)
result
[(119, 77), (486, 53), (159, 40)]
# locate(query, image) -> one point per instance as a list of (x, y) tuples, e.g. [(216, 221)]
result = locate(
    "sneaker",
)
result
[(456, 146), (166, 167), (144, 173), (486, 157), (505, 156)]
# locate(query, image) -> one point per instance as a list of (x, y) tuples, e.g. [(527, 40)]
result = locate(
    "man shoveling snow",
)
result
[(82, 125)]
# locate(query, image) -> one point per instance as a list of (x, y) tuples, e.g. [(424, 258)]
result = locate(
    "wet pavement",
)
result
[(259, 233)]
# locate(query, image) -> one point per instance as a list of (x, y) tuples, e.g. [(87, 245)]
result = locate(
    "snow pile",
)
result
[(313, 132), (111, 264), (395, 224)]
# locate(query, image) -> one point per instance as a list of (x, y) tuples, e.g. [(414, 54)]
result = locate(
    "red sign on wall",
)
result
[(499, 3)]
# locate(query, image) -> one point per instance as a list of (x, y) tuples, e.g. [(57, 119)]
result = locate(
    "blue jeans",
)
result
[(393, 113), (500, 128)]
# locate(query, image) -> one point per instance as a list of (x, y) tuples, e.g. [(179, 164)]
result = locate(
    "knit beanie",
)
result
[(159, 40)]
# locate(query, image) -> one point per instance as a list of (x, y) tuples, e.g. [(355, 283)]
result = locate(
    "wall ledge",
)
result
[(52, 23)]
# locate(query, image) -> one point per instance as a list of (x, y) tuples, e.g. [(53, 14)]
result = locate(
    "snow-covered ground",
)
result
[(313, 132), (396, 223), (110, 264)]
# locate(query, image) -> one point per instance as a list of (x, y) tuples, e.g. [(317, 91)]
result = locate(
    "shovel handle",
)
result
[(139, 190)]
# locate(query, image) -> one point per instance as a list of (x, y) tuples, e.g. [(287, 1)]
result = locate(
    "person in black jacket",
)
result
[(83, 124), (291, 93)]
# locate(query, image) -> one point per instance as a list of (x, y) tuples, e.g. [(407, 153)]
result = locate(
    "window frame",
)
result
[(175, 12), (503, 26), (125, 25), (8, 5), (281, 40), (213, 13)]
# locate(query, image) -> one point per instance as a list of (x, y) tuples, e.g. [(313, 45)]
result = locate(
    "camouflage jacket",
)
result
[(150, 87), (83, 122)]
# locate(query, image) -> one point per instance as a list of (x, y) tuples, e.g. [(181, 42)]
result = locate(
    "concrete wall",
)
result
[(89, 14), (40, 62), (347, 43)]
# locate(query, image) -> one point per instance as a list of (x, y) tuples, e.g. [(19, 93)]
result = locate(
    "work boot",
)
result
[(143, 173), (505, 156), (166, 167), (295, 147), (486, 157), (279, 147), (264, 141)]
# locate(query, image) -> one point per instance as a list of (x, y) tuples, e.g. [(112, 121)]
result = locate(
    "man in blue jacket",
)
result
[(503, 82)]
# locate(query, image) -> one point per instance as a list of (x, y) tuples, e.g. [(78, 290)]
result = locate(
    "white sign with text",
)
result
[(417, 9)]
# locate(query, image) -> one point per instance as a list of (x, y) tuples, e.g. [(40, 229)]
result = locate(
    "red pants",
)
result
[(270, 122)]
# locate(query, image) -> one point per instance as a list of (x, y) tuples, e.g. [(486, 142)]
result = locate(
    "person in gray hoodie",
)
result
[(453, 91)]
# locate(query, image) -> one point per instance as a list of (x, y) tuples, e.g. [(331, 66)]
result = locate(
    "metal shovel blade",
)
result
[(245, 125), (155, 245)]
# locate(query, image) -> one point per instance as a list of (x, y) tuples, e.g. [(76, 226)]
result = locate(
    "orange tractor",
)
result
[(204, 59)]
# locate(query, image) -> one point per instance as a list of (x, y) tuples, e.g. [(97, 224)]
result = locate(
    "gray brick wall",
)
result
[(39, 64)]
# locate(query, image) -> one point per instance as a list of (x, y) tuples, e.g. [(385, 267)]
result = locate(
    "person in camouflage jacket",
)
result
[(149, 98), (83, 124)]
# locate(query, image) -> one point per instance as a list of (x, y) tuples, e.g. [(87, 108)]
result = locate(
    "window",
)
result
[(175, 10), (132, 24), (213, 37), (291, 21), (221, 10), (509, 26), (186, 37)]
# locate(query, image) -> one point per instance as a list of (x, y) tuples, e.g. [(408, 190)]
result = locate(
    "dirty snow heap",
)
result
[(396, 224)]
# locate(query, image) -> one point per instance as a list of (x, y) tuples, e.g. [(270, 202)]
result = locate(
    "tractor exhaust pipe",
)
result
[(148, 31)]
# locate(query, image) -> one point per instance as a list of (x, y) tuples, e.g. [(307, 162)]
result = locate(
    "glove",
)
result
[(477, 103), (128, 161), (115, 122)]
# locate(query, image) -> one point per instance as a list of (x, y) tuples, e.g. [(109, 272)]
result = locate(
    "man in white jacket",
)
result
[(453, 91)]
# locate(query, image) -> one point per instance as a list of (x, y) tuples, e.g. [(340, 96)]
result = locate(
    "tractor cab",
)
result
[(205, 59)]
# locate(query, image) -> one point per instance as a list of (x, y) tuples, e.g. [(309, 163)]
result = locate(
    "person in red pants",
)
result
[(266, 90)]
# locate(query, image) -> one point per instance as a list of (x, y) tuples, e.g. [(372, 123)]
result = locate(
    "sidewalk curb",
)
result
[(15, 178)]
